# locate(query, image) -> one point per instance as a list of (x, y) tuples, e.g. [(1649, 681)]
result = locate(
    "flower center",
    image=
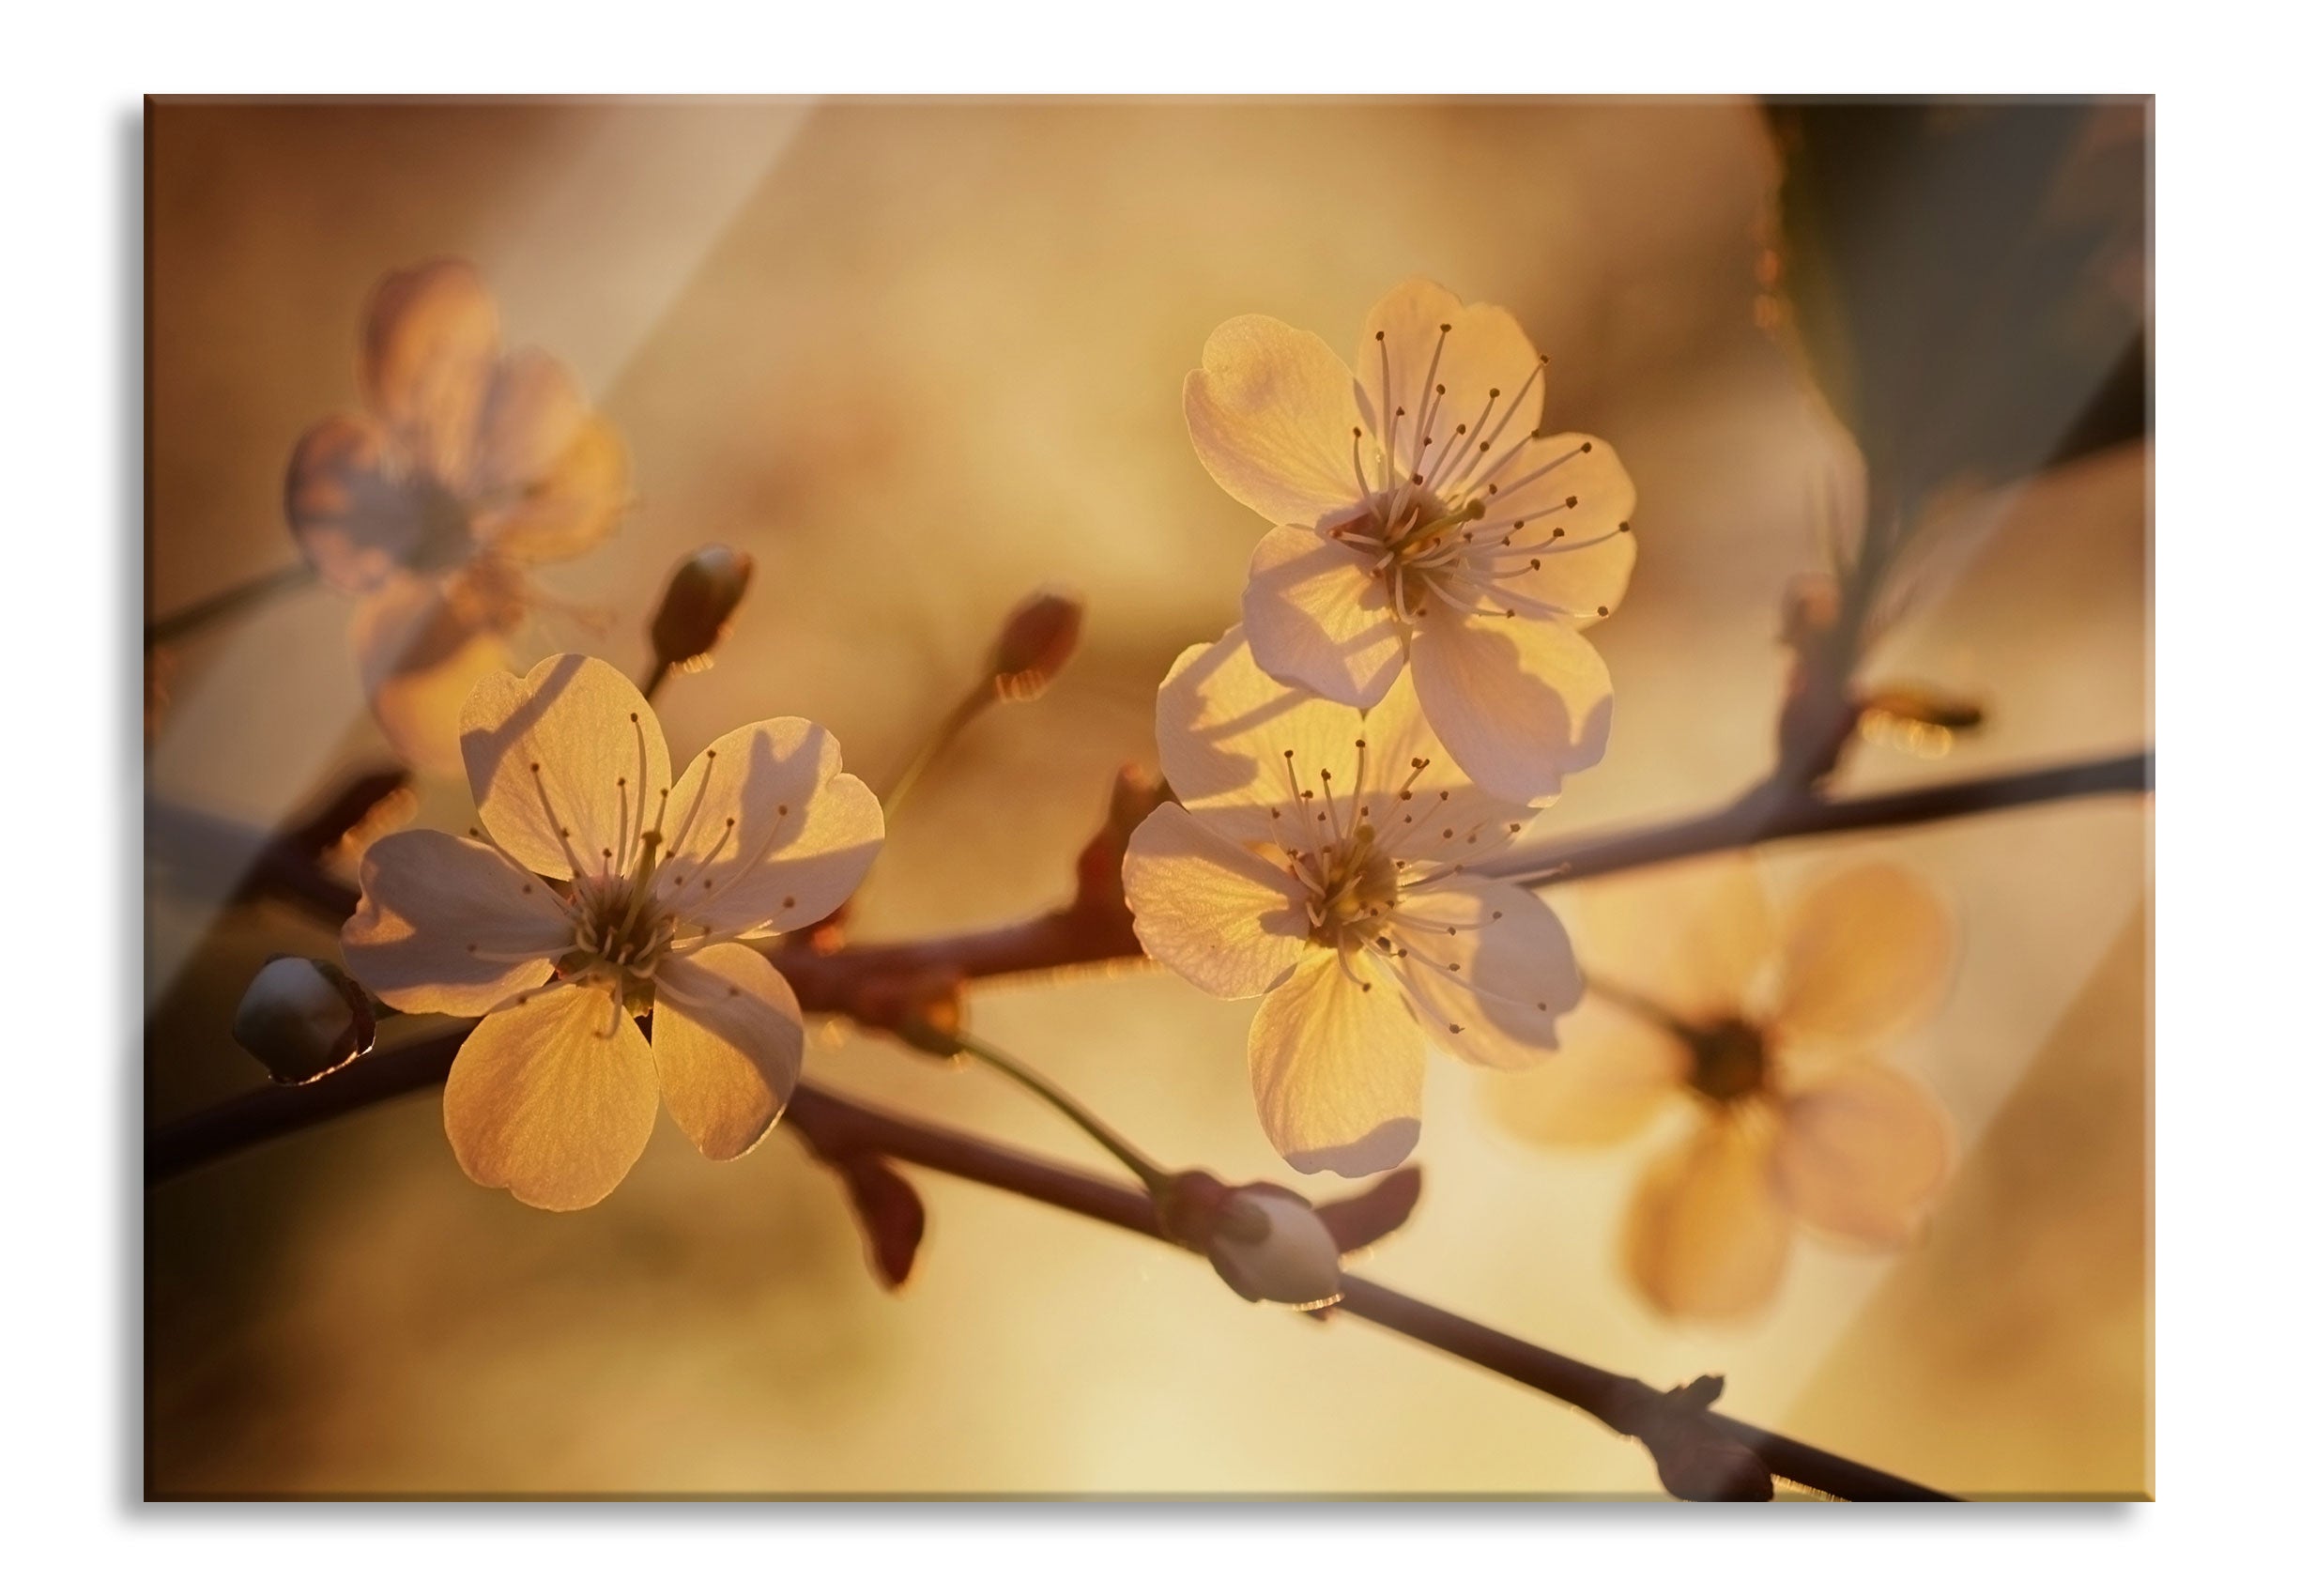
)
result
[(621, 932), (1354, 887), (1729, 1061), (443, 527)]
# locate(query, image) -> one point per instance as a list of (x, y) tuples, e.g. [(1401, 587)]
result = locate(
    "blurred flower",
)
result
[(303, 1018), (1321, 861), (465, 467), (607, 892), (1769, 1027), (1421, 517)]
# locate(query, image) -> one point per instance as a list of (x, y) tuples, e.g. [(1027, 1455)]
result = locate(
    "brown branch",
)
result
[(1682, 1436)]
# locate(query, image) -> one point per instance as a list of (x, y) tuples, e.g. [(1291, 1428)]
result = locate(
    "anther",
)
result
[(1603, 610), (1572, 500)]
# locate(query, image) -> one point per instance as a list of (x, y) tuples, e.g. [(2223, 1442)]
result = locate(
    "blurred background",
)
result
[(918, 358)]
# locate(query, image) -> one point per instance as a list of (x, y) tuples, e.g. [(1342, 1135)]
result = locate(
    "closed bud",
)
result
[(303, 1018), (1270, 1246), (698, 603), (1035, 644)]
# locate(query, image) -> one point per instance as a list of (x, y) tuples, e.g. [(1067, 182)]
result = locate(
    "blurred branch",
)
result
[(223, 605), (1699, 1454)]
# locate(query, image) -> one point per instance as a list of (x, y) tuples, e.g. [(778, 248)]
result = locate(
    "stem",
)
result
[(656, 674), (1770, 812), (829, 1120), (1118, 1146), (978, 698), (218, 606)]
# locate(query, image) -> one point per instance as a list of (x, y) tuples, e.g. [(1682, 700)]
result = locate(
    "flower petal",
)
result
[(1316, 618), (1521, 704), (429, 360), (763, 830), (1336, 1070), (1867, 954), (1864, 1153), (420, 653), (1489, 969), (357, 517), (449, 926), (553, 1097), (1490, 371), (567, 766), (1693, 937), (1612, 1074), (1567, 561), (550, 477), (728, 1045), (1561, 496), (1707, 1236), (1225, 728), (1270, 410), (1221, 918)]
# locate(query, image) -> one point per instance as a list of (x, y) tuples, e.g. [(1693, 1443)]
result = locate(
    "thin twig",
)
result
[(218, 606), (834, 1121)]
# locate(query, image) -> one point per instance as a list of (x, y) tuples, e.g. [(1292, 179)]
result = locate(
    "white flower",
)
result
[(1768, 1027), (1421, 517), (608, 891), (1321, 861), (464, 466), (1270, 1246)]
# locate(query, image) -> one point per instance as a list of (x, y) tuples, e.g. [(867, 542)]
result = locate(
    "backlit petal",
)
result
[(551, 478), (1221, 918), (1693, 938), (429, 360), (553, 1097), (355, 513), (1336, 1070), (1225, 727), (1486, 350), (567, 766), (1489, 969), (1270, 410), (1707, 1236), (728, 1044), (1521, 705), (1866, 955), (1864, 1153), (764, 831), (1612, 1073), (1564, 496), (1317, 618), (448, 926)]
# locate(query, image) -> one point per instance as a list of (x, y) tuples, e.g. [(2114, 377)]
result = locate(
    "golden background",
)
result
[(918, 358)]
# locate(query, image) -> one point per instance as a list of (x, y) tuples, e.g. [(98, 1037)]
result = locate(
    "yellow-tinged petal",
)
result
[(448, 926), (567, 766), (1489, 969), (1484, 351), (1336, 1070), (1866, 955), (355, 513), (1707, 1236), (1225, 727), (1864, 1153), (727, 1041), (1521, 705), (550, 477), (1221, 918), (429, 360), (420, 653), (553, 1097), (1270, 410), (1693, 938), (1317, 618), (1561, 496), (764, 831), (1612, 1073)]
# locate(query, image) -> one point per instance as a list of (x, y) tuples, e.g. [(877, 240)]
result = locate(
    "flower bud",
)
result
[(303, 1018), (698, 603), (1036, 642), (1270, 1246)]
